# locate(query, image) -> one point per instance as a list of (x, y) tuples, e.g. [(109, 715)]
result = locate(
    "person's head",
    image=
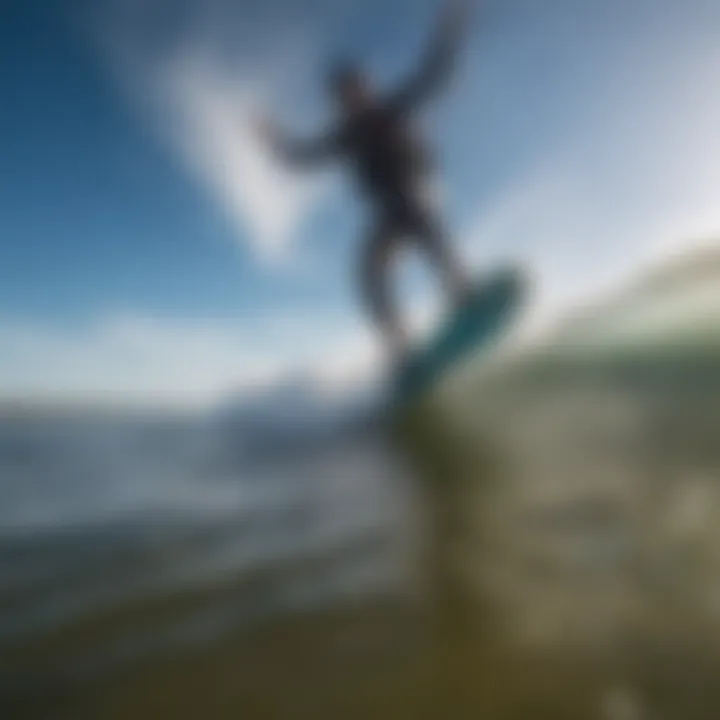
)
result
[(349, 86)]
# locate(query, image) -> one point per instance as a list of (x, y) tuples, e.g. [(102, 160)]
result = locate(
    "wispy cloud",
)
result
[(214, 133), (140, 359), (204, 71)]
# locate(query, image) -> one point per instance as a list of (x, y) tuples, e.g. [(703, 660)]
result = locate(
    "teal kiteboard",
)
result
[(468, 330)]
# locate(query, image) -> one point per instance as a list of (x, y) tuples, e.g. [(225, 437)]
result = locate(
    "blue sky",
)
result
[(150, 249)]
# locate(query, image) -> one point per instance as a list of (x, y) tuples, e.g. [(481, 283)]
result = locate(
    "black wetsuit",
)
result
[(392, 167)]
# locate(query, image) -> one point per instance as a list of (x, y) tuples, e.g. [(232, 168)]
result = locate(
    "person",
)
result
[(376, 135)]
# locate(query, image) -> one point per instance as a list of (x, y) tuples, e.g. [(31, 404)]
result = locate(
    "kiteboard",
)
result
[(467, 330)]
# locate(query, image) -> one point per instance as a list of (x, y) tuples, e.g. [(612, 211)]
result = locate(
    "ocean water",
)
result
[(537, 539), (100, 509)]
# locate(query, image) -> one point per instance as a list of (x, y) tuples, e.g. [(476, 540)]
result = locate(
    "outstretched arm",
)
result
[(436, 67), (300, 153)]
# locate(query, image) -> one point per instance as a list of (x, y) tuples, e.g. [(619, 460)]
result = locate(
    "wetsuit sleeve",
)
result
[(305, 153), (436, 67)]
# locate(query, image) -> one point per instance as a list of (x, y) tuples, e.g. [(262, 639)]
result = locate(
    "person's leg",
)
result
[(434, 241), (375, 289)]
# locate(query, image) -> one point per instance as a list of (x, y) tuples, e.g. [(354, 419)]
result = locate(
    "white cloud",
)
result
[(140, 359), (204, 71), (127, 360), (214, 132)]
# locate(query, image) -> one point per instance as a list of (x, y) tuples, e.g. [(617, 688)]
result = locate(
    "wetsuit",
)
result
[(392, 168)]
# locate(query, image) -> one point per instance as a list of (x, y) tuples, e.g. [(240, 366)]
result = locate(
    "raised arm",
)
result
[(436, 67), (299, 153)]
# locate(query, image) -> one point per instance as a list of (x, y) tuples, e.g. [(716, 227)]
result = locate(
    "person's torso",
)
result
[(385, 151)]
